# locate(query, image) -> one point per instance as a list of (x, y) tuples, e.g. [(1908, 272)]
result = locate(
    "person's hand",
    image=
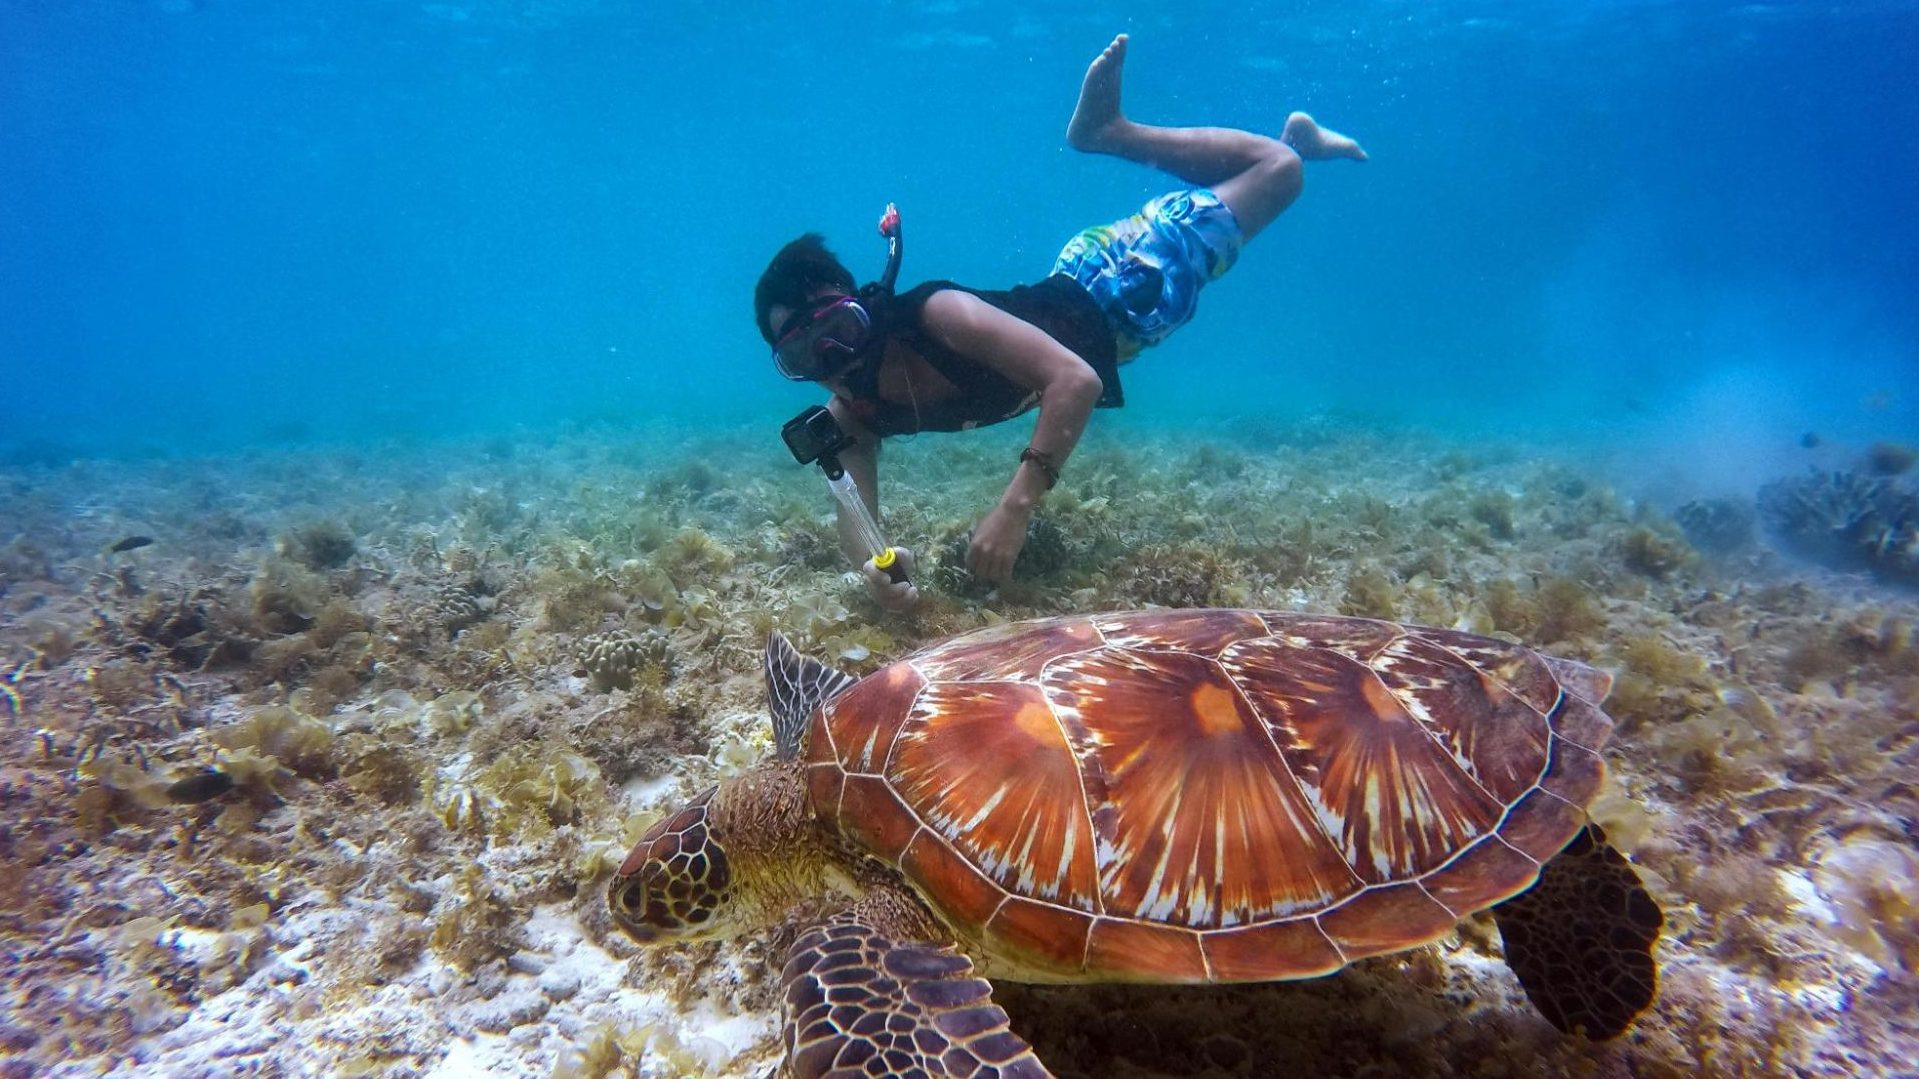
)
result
[(896, 596), (997, 540)]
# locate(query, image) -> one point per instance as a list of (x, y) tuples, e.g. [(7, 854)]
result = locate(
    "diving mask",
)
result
[(821, 343), (838, 331)]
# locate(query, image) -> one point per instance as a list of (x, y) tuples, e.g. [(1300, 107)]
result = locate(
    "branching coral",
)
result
[(1846, 520)]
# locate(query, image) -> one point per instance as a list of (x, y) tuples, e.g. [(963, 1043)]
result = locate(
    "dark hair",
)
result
[(802, 268)]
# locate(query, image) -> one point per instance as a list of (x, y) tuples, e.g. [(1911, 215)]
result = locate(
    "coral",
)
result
[(612, 659), (606, 1047), (1716, 525), (322, 545), (1847, 521), (455, 605), (1652, 554)]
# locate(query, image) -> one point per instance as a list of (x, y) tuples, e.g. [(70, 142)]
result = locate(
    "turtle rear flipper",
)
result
[(854, 994), (1581, 940)]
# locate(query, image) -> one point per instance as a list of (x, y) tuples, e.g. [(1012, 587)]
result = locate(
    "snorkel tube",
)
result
[(814, 436), (895, 247)]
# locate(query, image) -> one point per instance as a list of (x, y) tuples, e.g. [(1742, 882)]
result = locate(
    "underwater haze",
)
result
[(229, 224), (394, 525)]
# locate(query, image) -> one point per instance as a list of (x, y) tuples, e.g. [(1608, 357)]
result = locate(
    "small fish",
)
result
[(131, 543), (200, 787), (1891, 458), (1810, 440)]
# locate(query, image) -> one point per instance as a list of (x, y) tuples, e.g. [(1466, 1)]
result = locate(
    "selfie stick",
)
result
[(814, 437), (864, 527)]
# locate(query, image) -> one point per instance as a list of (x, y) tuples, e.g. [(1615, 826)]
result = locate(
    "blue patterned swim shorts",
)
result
[(1146, 270)]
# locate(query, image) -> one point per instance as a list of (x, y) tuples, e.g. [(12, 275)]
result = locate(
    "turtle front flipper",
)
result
[(854, 996), (1581, 940)]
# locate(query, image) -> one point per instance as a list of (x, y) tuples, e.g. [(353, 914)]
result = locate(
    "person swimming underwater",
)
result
[(945, 357)]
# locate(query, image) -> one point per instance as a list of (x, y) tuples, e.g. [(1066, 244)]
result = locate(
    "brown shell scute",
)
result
[(1191, 799), (988, 766), (1212, 795), (1385, 788)]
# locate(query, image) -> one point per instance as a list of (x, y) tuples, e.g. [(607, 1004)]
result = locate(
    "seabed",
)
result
[(329, 778)]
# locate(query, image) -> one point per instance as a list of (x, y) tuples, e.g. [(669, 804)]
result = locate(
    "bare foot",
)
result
[(1311, 141), (1097, 115)]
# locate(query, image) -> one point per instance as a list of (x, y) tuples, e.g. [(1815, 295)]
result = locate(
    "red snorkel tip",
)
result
[(890, 221)]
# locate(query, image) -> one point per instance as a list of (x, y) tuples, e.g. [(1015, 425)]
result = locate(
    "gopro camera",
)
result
[(814, 435)]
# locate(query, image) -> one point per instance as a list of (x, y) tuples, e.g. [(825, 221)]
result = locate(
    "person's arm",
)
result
[(862, 462), (1068, 389)]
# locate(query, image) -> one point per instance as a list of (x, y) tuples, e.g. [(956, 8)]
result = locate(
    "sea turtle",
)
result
[(1169, 796)]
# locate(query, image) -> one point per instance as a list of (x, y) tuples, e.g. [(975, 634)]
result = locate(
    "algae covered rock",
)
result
[(1716, 525)]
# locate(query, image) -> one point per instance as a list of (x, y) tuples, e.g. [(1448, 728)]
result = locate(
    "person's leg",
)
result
[(1255, 176)]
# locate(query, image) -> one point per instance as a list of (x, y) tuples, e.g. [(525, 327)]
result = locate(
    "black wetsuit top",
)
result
[(1058, 305)]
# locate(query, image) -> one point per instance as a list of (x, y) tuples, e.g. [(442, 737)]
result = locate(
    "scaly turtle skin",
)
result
[(1160, 796)]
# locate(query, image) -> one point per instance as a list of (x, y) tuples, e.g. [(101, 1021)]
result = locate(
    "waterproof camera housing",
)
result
[(814, 435)]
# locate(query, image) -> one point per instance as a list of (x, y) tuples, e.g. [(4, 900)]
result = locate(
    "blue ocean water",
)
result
[(1625, 222)]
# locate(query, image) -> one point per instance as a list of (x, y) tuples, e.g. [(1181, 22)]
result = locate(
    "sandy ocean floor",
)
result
[(330, 776)]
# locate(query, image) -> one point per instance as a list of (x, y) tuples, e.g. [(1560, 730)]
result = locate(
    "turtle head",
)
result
[(676, 884)]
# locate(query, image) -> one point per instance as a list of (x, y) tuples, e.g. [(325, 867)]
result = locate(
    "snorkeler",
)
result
[(944, 357)]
